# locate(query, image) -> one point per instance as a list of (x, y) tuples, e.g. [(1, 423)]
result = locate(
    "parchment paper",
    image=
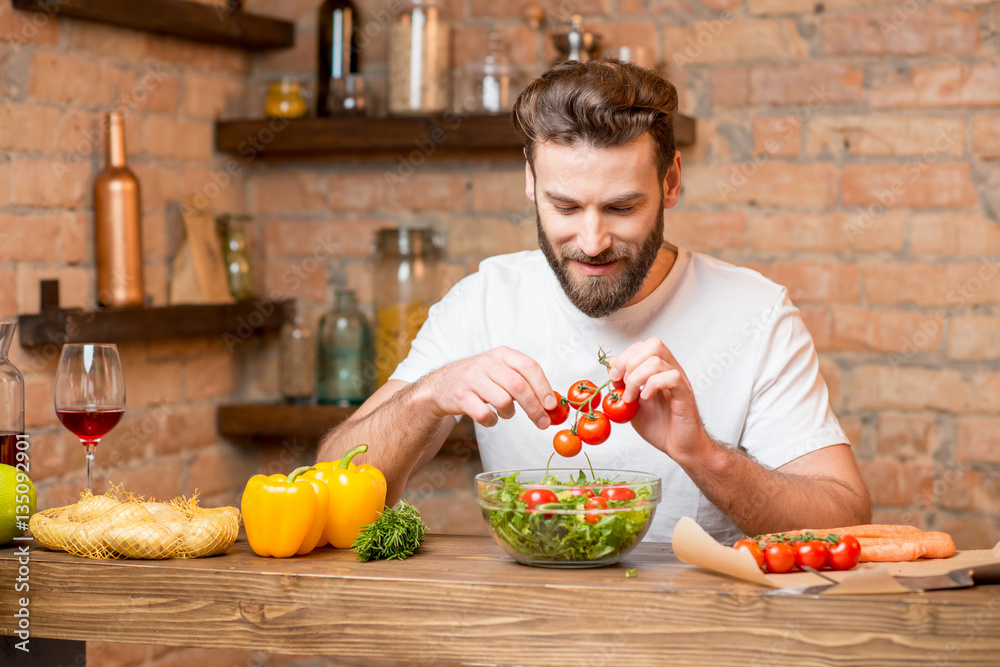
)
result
[(693, 545)]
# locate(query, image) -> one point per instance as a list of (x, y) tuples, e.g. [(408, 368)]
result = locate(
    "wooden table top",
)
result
[(463, 599)]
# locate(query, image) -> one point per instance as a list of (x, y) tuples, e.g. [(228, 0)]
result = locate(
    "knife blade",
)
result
[(988, 573)]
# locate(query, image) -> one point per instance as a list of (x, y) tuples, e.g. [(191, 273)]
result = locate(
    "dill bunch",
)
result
[(395, 535)]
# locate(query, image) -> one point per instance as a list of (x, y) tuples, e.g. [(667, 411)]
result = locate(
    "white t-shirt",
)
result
[(736, 334)]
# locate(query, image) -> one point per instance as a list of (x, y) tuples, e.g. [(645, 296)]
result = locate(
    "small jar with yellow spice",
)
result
[(285, 99)]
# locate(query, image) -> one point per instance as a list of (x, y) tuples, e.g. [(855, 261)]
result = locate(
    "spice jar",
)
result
[(11, 398), (344, 371), (485, 83), (285, 99), (419, 59), (406, 263), (297, 371), (234, 253)]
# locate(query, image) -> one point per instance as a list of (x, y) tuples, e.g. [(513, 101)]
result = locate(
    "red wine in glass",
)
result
[(91, 423), (90, 394)]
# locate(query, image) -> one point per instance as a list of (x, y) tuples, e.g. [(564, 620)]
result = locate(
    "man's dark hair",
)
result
[(600, 103)]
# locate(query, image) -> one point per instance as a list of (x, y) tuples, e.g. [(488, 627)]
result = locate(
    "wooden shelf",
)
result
[(179, 18), (240, 320), (324, 137), (263, 422)]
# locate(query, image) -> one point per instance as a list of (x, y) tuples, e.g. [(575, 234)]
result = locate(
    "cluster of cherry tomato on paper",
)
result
[(591, 425), (783, 553), (540, 496)]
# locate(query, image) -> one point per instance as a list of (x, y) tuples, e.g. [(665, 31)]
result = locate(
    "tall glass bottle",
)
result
[(118, 226), (338, 49), (297, 370), (345, 370), (406, 285), (11, 397)]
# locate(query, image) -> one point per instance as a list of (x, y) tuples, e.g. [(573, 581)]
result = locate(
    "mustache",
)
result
[(610, 255)]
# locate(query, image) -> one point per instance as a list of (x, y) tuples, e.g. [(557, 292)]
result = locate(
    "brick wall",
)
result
[(849, 153)]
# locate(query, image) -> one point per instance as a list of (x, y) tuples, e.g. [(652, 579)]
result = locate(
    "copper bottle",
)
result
[(117, 226)]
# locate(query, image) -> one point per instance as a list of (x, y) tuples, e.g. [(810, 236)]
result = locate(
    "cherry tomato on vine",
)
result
[(617, 409), (595, 504), (619, 493), (811, 554), (752, 548), (593, 430), (566, 443), (559, 413), (536, 497), (581, 391), (845, 554), (779, 557), (581, 491)]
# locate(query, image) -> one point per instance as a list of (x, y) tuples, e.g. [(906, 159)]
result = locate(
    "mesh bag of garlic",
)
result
[(121, 525)]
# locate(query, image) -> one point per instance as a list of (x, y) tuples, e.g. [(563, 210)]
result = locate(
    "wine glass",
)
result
[(90, 394)]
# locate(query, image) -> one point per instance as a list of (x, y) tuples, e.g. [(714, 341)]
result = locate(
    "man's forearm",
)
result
[(398, 433), (760, 500)]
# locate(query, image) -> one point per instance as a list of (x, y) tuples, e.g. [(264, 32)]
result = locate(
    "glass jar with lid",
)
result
[(419, 59), (344, 370), (406, 285), (297, 370)]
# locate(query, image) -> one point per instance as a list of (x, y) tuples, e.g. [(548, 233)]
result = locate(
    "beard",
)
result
[(598, 296)]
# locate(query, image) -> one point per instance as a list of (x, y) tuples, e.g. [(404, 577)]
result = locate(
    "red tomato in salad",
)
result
[(581, 391), (536, 497), (617, 409), (594, 504), (752, 548), (845, 554), (811, 554), (581, 491), (559, 413), (566, 443), (779, 557), (595, 429), (620, 493)]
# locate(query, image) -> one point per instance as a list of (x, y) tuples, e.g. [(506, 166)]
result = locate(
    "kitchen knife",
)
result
[(988, 573)]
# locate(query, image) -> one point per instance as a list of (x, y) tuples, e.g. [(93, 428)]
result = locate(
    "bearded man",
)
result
[(733, 414)]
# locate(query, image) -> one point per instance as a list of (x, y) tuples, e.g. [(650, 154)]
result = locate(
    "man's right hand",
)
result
[(492, 381)]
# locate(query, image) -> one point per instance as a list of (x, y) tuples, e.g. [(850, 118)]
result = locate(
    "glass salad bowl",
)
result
[(562, 518)]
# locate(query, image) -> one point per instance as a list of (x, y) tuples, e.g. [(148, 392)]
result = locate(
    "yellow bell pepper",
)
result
[(357, 496), (284, 515)]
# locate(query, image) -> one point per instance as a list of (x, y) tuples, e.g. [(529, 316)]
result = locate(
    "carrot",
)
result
[(929, 544), (890, 553)]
